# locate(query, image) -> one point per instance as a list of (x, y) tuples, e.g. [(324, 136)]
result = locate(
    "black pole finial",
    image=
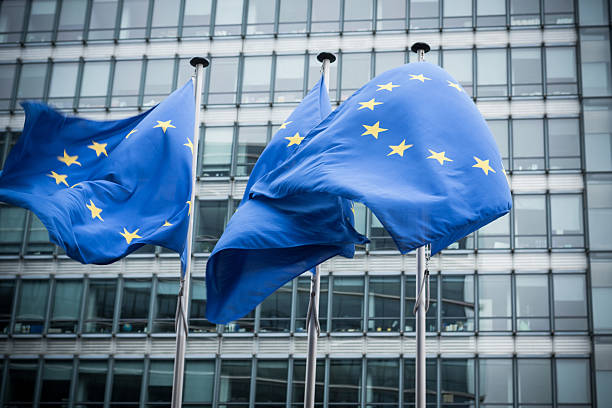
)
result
[(326, 56), (418, 46), (199, 60)]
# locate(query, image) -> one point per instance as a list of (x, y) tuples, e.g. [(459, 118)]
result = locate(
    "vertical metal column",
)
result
[(183, 297), (420, 398), (312, 321)]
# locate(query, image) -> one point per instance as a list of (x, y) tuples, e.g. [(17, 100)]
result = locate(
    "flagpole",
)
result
[(312, 319), (420, 372), (181, 323)]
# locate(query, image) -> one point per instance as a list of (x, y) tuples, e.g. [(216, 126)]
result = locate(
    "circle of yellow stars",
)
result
[(100, 149)]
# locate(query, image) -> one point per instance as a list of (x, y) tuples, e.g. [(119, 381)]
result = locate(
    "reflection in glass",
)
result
[(491, 13), (457, 14), (199, 380), (66, 306), (134, 19), (357, 15), (261, 17), (95, 84), (347, 303), (495, 235), (11, 20), (38, 238), (102, 22), (127, 377), (570, 302), (63, 84), (160, 381), (384, 304), (135, 306), (532, 303), (217, 151), (382, 382), (256, 80), (165, 19), (7, 79), (271, 382), (566, 221), (99, 306), (458, 303), (228, 20), (595, 60), (459, 65), (275, 310), (344, 381), (527, 72), (211, 222), (297, 383), (91, 381), (496, 385), (431, 319), (126, 83), (289, 83), (494, 307), (158, 81), (524, 12), (197, 308), (56, 379), (165, 306), (12, 220), (71, 20), (31, 82), (388, 60), (534, 382), (558, 12), (424, 14), (492, 77), (530, 221), (325, 16), (561, 71), (563, 144), (21, 382), (457, 381), (235, 381), (431, 382), (31, 306), (292, 17), (223, 79), (196, 20), (7, 294), (528, 144), (573, 381), (598, 135)]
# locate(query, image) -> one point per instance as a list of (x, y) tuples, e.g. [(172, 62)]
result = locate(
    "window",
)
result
[(457, 303), (31, 306), (491, 73), (256, 80), (134, 19), (345, 382), (94, 85), (71, 20), (251, 143), (593, 12), (570, 302), (7, 80), (7, 295), (491, 13), (527, 72), (271, 383), (31, 82), (563, 144), (99, 306), (357, 15), (158, 81), (211, 222), (598, 135), (601, 291), (530, 221), (217, 151), (303, 299), (534, 382), (360, 216), (566, 221), (431, 319), (459, 64), (261, 17), (66, 306), (7, 141), (379, 237), (431, 382), (355, 72), (388, 60), (524, 12), (165, 19), (595, 60), (347, 304), (126, 83), (160, 381), (424, 14), (228, 20), (38, 242), (495, 235), (275, 311), (528, 144), (127, 377), (40, 24), (63, 84), (165, 305), (532, 303), (325, 16), (292, 18), (11, 20), (199, 381), (56, 380), (457, 14), (197, 308), (135, 306), (384, 304), (102, 22), (289, 83), (12, 221), (21, 382), (558, 12), (457, 381), (298, 380), (382, 382), (91, 381), (196, 20), (561, 78), (390, 15), (573, 381), (494, 307), (496, 385), (235, 381), (223, 79)]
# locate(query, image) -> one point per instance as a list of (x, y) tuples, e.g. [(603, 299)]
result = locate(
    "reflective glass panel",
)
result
[(357, 15), (126, 83), (271, 382), (7, 79), (235, 381), (99, 306), (424, 14), (495, 235), (573, 381), (491, 13), (217, 151), (458, 14), (135, 306), (42, 16), (165, 305), (197, 310), (598, 135), (601, 292), (91, 381), (261, 17), (595, 60), (558, 12), (570, 302), (297, 383), (63, 84), (530, 221), (160, 381), (534, 382), (593, 12), (228, 20), (458, 303), (458, 380), (303, 297), (355, 72), (561, 71), (66, 306), (165, 19), (459, 64), (382, 382), (158, 81), (256, 80), (344, 381), (56, 379), (196, 20), (38, 242), (431, 382), (524, 12), (223, 78), (526, 72), (494, 307), (347, 306), (388, 60), (528, 144), (384, 304), (325, 15), (127, 378), (532, 303), (31, 81), (491, 74), (289, 83), (431, 318), (275, 311), (134, 18), (391, 15), (564, 144), (496, 385), (31, 306), (211, 223), (199, 381), (103, 17), (566, 221), (12, 221)]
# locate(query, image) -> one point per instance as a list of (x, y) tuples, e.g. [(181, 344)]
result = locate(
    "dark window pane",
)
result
[(297, 383), (12, 221), (11, 20), (235, 381), (275, 311), (7, 294), (532, 303), (251, 142), (199, 381), (600, 212), (525, 12), (56, 379), (135, 306), (563, 144), (382, 381), (530, 222), (100, 304), (7, 79), (197, 309), (347, 309), (457, 381), (21, 381), (496, 381), (31, 306), (495, 309), (457, 303), (271, 382), (31, 81), (570, 302), (345, 381), (160, 381), (92, 380), (431, 319), (534, 383), (431, 381), (127, 378), (66, 306), (211, 222), (38, 242), (384, 304), (261, 17), (165, 306)]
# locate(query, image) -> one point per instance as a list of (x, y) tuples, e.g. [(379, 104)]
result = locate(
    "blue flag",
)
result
[(104, 189), (269, 242), (412, 146)]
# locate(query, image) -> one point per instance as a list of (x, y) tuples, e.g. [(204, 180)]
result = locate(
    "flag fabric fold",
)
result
[(413, 147), (105, 188), (269, 242)]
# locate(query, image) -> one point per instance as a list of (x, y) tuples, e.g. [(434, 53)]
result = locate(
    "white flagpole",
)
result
[(420, 398), (312, 319), (181, 323)]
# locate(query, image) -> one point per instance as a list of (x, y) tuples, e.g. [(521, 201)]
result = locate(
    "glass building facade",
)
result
[(520, 310)]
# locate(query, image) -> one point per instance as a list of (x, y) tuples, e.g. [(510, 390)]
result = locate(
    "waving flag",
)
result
[(412, 146), (104, 189), (269, 242)]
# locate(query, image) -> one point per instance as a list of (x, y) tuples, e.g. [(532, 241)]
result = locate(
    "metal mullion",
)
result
[(234, 151), (4, 378), (515, 380), (26, 22), (440, 15), (366, 291), (87, 22), (56, 18), (109, 382), (288, 397), (474, 72), (544, 71), (213, 15), (513, 310), (73, 381), (438, 380), (118, 17), (47, 83), (79, 85), (400, 379), (14, 305), (152, 303), (306, 74), (294, 286), (5, 150), (546, 144), (118, 299), (111, 80), (144, 382), (143, 76), (149, 20), (548, 220), (553, 378), (175, 71), (508, 13), (82, 306), (474, 13), (244, 21), (476, 304), (402, 327), (216, 380), (509, 71), (477, 381), (38, 381), (326, 378), (51, 295), (407, 19), (241, 62), (309, 18), (272, 87), (276, 17), (341, 15), (374, 17), (253, 383), (440, 305), (364, 377), (17, 78), (551, 303), (181, 20)]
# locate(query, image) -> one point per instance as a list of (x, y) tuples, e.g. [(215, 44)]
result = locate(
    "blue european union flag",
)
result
[(412, 146), (104, 189), (269, 242)]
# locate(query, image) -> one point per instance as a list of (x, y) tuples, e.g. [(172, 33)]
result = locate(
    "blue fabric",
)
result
[(269, 242), (389, 145), (65, 169)]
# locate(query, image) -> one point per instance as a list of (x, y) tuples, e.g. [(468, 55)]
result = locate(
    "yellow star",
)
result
[(284, 125), (59, 178), (76, 185), (98, 148), (369, 104), (129, 236), (373, 130), (454, 85), (131, 131), (164, 125), (189, 203), (399, 149), (167, 224), (95, 211), (294, 140), (484, 165), (388, 87), (68, 159), (438, 156), (419, 77), (189, 145)]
